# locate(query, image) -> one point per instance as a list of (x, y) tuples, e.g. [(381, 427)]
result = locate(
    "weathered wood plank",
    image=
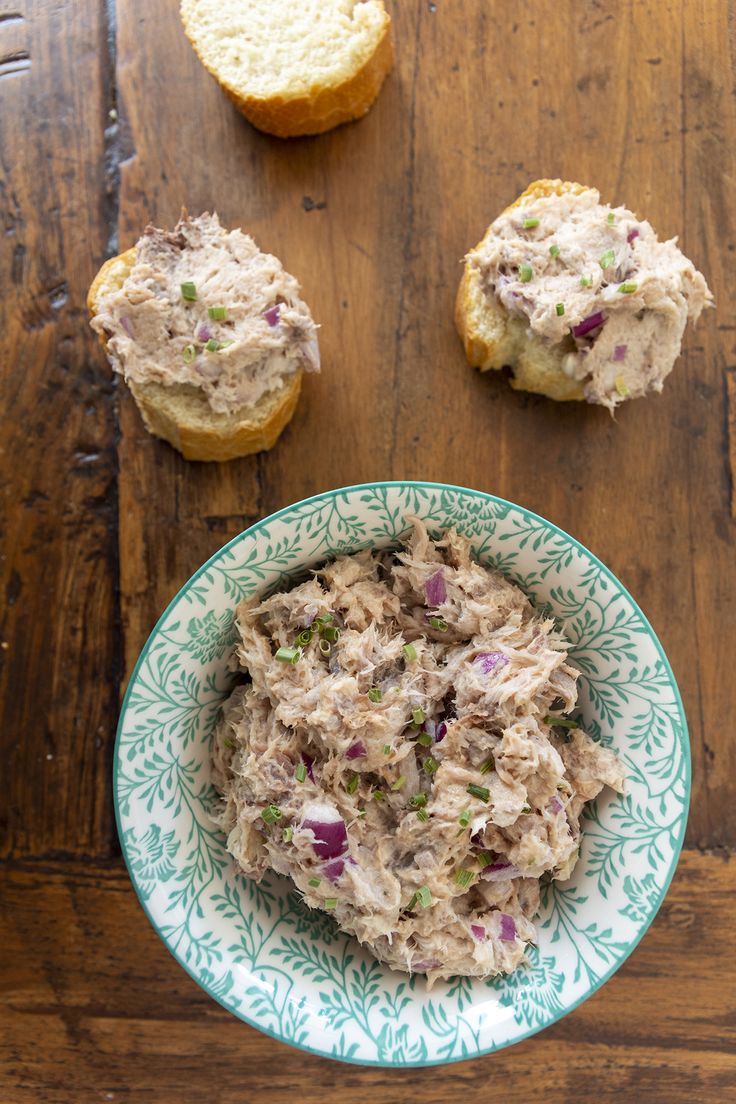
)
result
[(59, 667), (94, 1005)]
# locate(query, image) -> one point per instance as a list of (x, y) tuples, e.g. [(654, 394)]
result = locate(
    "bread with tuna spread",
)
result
[(210, 335), (580, 300), (293, 66)]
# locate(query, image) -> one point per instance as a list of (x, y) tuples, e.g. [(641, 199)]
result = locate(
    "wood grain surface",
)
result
[(108, 121)]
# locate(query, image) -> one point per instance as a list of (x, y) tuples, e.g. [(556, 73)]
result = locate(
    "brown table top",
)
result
[(102, 523)]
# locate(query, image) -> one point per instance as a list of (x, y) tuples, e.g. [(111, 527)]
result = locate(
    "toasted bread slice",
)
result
[(293, 67), (182, 415)]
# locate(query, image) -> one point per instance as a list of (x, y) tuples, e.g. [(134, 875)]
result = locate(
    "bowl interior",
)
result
[(286, 969)]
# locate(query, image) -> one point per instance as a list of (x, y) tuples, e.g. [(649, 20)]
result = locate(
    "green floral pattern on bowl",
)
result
[(286, 969)]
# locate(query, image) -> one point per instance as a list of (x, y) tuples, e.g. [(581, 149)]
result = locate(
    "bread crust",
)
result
[(492, 339), (324, 106), (181, 415)]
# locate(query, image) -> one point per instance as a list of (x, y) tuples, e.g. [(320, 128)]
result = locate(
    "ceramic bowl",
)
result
[(287, 970)]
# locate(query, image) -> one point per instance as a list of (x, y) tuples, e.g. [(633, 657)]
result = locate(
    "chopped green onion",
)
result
[(526, 808), (212, 346), (375, 694), (378, 795), (229, 743), (525, 273), (226, 343), (431, 765), (324, 619), (627, 289), (409, 651), (314, 881), (554, 251), (560, 309), (288, 655), (418, 800), (418, 715), (189, 354), (301, 772), (329, 902), (271, 814), (561, 722), (424, 897), (438, 623), (217, 314), (586, 281), (488, 765), (607, 259), (387, 749), (464, 818), (189, 292), (352, 783), (611, 218), (481, 792), (304, 638), (530, 223), (398, 783), (288, 834), (484, 858), (424, 739), (621, 387), (464, 877), (361, 814), (329, 632), (422, 815), (325, 647)]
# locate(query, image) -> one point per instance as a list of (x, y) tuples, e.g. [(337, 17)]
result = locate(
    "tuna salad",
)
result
[(595, 281), (203, 306), (402, 750)]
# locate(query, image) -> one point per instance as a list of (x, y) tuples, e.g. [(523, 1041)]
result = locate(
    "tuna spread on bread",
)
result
[(400, 747), (204, 306), (596, 281)]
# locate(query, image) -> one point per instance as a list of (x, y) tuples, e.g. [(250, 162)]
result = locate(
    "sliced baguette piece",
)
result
[(293, 67), (181, 414)]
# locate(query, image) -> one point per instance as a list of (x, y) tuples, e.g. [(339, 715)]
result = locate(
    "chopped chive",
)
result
[(324, 619), (607, 259), (314, 881), (481, 792), (271, 814), (526, 808), (387, 749), (464, 818), (189, 292), (561, 722), (352, 783), (424, 739), (560, 309), (431, 765), (627, 289), (484, 858), (378, 795), (361, 814), (212, 346), (418, 800), (530, 223), (375, 694), (586, 281), (488, 765), (329, 902), (554, 251), (229, 743), (410, 652), (422, 815), (424, 897), (398, 783), (288, 655), (329, 632), (189, 353), (525, 273), (438, 623), (304, 638), (464, 877), (288, 834), (301, 772), (611, 218), (418, 716), (325, 647), (217, 314), (621, 387)]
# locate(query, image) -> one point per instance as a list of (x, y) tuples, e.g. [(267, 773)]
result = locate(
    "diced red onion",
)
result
[(308, 763), (330, 833), (431, 729), (356, 750), (632, 234), (592, 322), (126, 324), (440, 732), (312, 361), (272, 315), (500, 872), (619, 353), (435, 590), (479, 932), (334, 869), (555, 805), (507, 930), (204, 333), (489, 661), (426, 964)]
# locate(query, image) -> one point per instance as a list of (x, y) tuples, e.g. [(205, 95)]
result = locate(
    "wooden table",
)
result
[(107, 121)]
